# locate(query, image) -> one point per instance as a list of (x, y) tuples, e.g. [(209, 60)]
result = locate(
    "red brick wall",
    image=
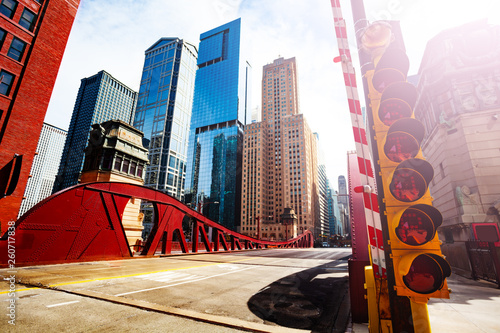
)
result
[(22, 118)]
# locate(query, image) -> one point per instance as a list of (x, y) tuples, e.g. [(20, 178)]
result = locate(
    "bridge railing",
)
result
[(84, 223)]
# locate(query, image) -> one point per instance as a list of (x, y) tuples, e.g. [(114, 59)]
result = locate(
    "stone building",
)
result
[(115, 154), (459, 105)]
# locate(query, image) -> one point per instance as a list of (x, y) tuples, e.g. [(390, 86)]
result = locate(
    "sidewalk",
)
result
[(474, 306)]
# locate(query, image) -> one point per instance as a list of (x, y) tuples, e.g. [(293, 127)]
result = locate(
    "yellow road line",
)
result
[(129, 275)]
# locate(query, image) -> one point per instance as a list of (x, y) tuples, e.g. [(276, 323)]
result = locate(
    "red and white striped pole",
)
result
[(370, 199)]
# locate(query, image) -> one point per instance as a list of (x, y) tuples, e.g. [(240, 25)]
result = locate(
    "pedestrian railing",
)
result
[(484, 261)]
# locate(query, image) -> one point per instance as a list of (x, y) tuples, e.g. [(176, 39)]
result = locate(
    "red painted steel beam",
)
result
[(84, 223)]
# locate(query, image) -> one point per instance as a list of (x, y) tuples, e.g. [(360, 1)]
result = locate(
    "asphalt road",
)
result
[(274, 290)]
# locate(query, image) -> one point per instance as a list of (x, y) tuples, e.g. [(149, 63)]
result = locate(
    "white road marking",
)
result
[(60, 304), (229, 266), (177, 284), (167, 276)]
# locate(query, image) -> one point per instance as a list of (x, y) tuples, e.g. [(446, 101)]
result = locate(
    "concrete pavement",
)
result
[(278, 290), (474, 306)]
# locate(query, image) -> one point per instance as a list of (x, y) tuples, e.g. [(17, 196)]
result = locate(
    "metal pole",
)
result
[(401, 314), (258, 227)]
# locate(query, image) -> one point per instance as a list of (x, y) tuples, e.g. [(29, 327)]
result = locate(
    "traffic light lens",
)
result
[(400, 146), (385, 77), (415, 227), (425, 275), (407, 185), (393, 109)]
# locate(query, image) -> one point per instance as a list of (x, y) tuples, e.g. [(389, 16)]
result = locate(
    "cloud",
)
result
[(113, 35)]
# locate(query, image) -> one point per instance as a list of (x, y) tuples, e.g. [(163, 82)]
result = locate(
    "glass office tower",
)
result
[(101, 97), (163, 112), (220, 112), (44, 167)]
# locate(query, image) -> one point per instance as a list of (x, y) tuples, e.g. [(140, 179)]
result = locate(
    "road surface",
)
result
[(273, 290)]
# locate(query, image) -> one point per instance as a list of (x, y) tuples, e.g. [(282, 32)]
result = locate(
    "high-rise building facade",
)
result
[(164, 112), (343, 198), (331, 203), (101, 97), (45, 165), (280, 168), (322, 226), (33, 36), (220, 112)]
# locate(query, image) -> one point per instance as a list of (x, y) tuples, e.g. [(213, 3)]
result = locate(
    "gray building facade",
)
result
[(101, 97)]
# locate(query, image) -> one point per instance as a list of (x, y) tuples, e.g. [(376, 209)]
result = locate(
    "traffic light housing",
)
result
[(420, 270)]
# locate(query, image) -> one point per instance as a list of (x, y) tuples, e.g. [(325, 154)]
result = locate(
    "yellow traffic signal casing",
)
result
[(419, 267)]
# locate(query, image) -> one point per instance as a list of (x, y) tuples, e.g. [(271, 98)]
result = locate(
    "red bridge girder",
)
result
[(84, 223)]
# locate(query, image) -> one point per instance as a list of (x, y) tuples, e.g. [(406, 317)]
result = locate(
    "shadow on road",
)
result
[(312, 299)]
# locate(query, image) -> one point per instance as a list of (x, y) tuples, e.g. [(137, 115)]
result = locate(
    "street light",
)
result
[(288, 217), (202, 204), (257, 218)]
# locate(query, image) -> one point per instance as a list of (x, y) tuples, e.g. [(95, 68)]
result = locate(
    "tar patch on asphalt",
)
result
[(310, 300)]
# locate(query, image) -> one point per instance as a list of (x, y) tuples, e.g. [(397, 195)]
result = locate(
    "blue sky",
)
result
[(113, 35)]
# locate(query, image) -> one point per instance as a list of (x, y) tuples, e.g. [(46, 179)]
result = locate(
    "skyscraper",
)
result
[(331, 203), (280, 159), (322, 227), (164, 112), (220, 112), (343, 199), (33, 37), (101, 97), (44, 167)]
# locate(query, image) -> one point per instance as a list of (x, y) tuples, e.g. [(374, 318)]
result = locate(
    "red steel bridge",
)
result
[(84, 223)]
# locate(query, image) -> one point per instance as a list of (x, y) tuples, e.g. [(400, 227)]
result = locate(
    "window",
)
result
[(16, 49), (118, 163), (107, 161), (133, 167), (27, 20), (2, 37), (139, 170), (6, 80), (8, 7), (125, 166)]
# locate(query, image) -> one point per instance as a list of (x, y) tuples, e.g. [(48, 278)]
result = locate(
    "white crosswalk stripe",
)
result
[(168, 277)]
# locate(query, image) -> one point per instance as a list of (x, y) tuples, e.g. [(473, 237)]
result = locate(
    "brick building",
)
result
[(33, 36)]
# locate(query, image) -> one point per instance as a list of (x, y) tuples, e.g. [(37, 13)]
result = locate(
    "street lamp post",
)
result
[(202, 204), (200, 207), (288, 217), (257, 218)]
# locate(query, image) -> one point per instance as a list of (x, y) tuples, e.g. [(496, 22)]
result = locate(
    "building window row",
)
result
[(6, 81), (28, 18)]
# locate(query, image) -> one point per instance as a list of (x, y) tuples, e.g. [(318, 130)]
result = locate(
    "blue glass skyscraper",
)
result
[(164, 112), (101, 97), (220, 111)]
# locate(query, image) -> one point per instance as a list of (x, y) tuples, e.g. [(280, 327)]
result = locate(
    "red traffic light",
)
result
[(426, 273), (410, 180), (396, 102), (403, 139), (418, 225)]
